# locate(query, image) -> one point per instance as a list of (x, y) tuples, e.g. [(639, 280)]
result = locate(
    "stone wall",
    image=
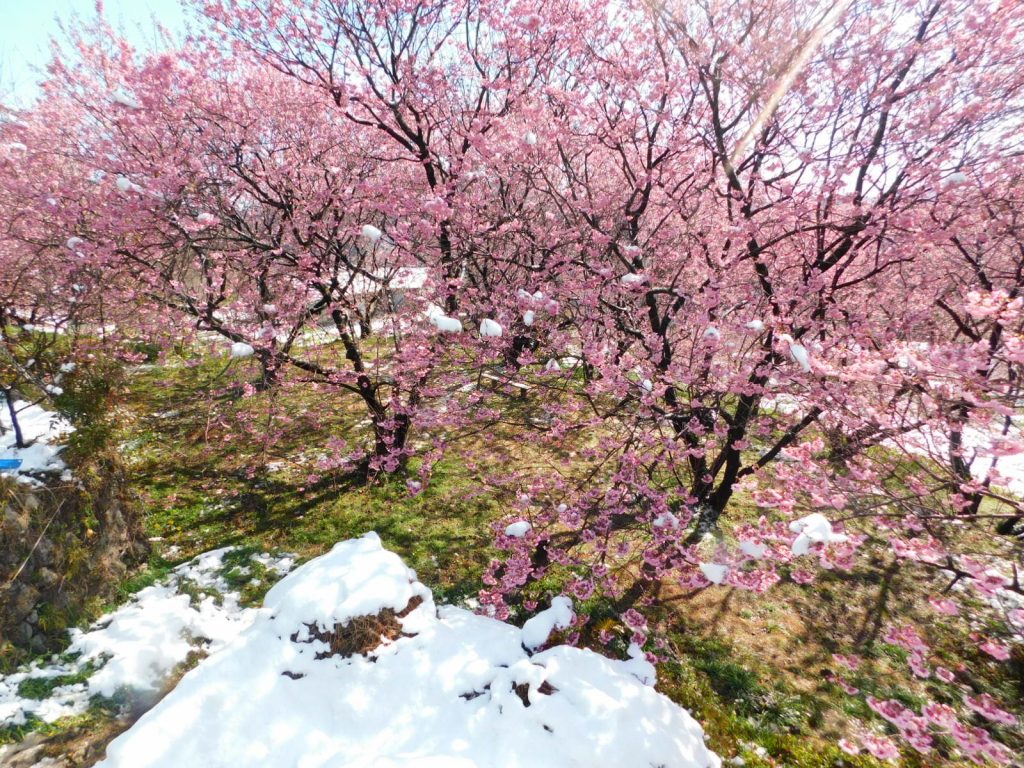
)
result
[(64, 547)]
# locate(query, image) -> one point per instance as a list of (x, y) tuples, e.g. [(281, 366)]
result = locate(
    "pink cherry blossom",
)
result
[(944, 605), (987, 707), (995, 649), (881, 747)]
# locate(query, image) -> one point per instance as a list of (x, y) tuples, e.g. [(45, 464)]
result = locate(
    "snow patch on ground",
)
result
[(979, 450), (451, 689), (135, 648), (39, 427)]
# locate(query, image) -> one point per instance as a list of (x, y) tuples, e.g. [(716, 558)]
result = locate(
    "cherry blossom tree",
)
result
[(744, 255), (719, 287), (263, 225), (50, 308)]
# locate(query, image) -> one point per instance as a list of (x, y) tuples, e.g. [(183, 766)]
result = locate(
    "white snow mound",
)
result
[(455, 690)]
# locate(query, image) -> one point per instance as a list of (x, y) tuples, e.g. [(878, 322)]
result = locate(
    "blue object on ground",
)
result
[(10, 463)]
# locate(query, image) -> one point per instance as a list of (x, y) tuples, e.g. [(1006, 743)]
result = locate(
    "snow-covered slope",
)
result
[(452, 689), (982, 448), (39, 427), (133, 650)]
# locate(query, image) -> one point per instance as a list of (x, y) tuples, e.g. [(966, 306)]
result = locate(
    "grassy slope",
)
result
[(750, 668)]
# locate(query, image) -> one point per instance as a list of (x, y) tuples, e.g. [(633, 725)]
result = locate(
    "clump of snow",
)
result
[(518, 529), (538, 629), (453, 689), (42, 430), (813, 529), (714, 572), (242, 350), (446, 324), (159, 612), (123, 99), (798, 352), (712, 333), (490, 328), (528, 317), (74, 243), (124, 184), (136, 647), (552, 365), (753, 549), (530, 138), (371, 233), (352, 580), (631, 278), (755, 325)]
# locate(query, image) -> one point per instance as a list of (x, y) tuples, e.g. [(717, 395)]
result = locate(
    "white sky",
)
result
[(26, 27)]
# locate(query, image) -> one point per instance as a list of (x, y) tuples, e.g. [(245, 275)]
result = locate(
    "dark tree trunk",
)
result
[(270, 373), (19, 438), (961, 469), (390, 437)]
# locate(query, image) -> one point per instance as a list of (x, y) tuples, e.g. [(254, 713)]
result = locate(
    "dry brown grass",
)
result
[(362, 635)]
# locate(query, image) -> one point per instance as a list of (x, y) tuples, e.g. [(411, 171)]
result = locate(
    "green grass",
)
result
[(750, 704), (743, 716), (204, 492), (99, 716), (42, 687)]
